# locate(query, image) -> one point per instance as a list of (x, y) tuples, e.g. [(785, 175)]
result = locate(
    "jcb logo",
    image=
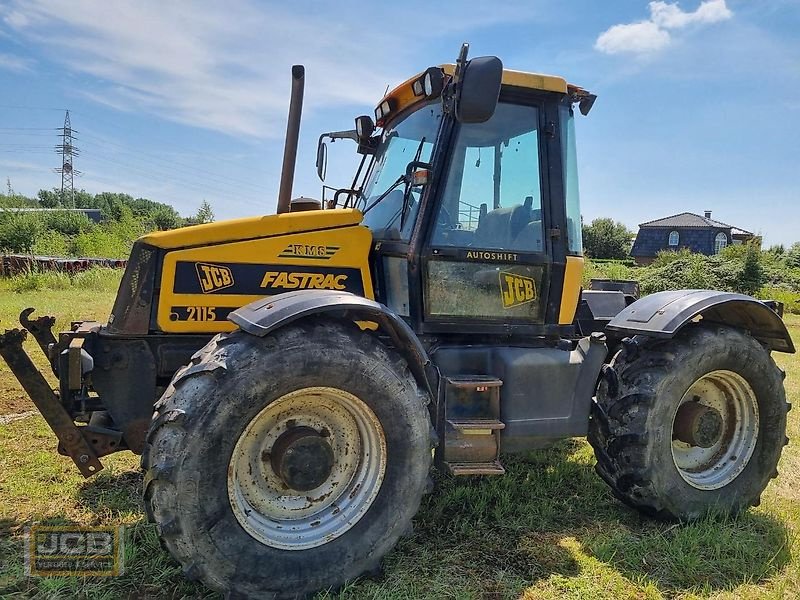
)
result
[(213, 277), (516, 289)]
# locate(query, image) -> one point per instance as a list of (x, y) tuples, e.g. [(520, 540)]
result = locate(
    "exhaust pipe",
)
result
[(292, 136)]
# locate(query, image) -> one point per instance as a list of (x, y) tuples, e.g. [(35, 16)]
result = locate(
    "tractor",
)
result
[(292, 380)]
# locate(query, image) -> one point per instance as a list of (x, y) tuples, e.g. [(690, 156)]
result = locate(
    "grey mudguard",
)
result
[(663, 314), (268, 314)]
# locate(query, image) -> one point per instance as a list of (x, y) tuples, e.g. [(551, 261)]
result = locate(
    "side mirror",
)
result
[(322, 159), (479, 89), (364, 127)]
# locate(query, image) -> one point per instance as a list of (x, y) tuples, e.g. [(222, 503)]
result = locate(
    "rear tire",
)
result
[(322, 389), (714, 382)]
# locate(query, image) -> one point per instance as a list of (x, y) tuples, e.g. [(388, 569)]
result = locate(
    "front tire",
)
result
[(690, 425), (283, 465)]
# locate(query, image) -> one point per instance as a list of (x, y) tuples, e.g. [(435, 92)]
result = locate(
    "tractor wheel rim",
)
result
[(732, 410), (329, 421)]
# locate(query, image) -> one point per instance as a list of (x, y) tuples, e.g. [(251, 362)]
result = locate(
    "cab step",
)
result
[(477, 426), (476, 468)]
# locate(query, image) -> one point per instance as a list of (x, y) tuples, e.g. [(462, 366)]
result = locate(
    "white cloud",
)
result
[(224, 66), (646, 37), (670, 16), (18, 64), (639, 38)]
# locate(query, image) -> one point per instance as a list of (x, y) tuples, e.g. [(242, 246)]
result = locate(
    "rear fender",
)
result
[(263, 316), (664, 314)]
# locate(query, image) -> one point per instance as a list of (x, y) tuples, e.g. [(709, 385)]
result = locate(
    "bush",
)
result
[(40, 280), (66, 222), (19, 230), (51, 243), (95, 279), (681, 272), (791, 300)]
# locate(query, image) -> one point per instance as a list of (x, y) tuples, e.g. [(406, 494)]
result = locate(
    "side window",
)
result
[(569, 158), (493, 196)]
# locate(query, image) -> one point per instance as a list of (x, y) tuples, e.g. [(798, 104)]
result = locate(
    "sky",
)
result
[(698, 101)]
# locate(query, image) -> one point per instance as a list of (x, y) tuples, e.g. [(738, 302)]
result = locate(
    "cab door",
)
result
[(487, 261)]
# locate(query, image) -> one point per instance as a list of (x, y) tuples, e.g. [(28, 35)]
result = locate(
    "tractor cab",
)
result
[(474, 211)]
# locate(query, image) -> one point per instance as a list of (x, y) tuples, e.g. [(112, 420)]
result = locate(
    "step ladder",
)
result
[(472, 425)]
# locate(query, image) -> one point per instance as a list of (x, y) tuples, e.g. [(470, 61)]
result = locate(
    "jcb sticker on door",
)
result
[(516, 289)]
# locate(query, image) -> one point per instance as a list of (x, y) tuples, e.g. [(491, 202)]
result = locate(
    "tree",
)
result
[(792, 255), (165, 217), (204, 214), (606, 239), (752, 277)]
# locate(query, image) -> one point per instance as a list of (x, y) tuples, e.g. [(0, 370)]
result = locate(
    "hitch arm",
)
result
[(41, 328), (59, 420)]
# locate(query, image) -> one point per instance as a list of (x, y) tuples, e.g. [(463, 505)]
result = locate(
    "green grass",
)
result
[(548, 529), (84, 296)]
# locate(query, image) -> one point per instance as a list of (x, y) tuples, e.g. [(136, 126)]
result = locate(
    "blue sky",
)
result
[(699, 101)]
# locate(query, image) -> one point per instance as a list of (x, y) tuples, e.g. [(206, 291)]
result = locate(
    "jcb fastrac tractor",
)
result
[(290, 380)]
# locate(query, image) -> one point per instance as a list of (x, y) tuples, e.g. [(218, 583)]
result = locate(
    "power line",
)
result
[(200, 186), (30, 128), (174, 165)]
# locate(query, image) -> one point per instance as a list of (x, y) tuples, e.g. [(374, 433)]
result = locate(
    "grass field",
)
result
[(548, 529)]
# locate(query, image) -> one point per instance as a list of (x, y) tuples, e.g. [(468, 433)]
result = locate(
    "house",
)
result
[(686, 230)]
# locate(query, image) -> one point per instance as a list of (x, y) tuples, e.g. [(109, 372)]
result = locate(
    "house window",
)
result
[(720, 242), (673, 238)]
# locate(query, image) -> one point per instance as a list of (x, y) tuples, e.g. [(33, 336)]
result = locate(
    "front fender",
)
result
[(268, 314), (664, 314)]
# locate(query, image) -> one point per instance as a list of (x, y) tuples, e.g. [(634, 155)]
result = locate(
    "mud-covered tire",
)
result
[(211, 402), (631, 427)]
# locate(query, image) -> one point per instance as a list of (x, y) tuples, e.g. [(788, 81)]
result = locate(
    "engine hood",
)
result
[(252, 227)]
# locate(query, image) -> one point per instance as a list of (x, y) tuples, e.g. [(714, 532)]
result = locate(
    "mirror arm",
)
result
[(349, 134)]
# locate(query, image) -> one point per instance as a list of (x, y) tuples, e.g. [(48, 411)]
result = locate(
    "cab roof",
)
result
[(403, 96)]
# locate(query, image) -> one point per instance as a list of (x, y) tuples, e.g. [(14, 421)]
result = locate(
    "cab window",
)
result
[(411, 138), (493, 195)]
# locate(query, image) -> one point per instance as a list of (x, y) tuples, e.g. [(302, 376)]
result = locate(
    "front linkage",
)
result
[(83, 444)]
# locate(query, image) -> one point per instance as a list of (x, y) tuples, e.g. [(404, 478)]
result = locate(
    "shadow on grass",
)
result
[(550, 515)]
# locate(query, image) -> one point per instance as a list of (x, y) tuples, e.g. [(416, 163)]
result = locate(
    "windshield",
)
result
[(411, 138)]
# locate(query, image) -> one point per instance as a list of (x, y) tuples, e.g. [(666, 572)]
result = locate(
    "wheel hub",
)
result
[(302, 458), (306, 468), (715, 430), (698, 425)]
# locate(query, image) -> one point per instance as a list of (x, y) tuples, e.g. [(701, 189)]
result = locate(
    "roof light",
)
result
[(428, 84), (417, 87)]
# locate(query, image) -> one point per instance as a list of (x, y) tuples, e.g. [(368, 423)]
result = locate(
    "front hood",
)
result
[(253, 227)]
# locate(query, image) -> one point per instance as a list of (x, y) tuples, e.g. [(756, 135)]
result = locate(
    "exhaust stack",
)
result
[(292, 136)]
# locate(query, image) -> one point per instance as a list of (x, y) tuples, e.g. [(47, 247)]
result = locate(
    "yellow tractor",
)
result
[(290, 380)]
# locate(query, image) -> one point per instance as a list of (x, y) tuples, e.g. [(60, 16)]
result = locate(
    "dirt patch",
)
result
[(13, 399)]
